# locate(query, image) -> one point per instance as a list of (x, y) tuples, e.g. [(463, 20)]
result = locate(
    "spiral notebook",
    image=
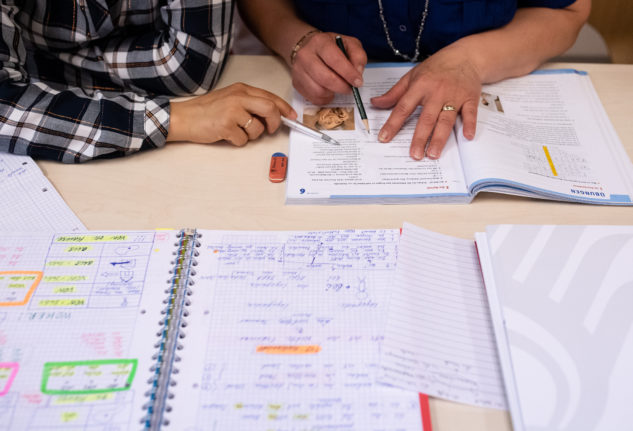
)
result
[(213, 330)]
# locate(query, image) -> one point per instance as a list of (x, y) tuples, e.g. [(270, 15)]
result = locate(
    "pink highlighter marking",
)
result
[(13, 366)]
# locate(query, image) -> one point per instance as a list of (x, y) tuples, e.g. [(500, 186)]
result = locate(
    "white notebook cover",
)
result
[(561, 299)]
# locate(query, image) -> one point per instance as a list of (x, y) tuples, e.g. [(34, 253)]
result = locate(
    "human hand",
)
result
[(446, 79), (320, 69), (237, 113)]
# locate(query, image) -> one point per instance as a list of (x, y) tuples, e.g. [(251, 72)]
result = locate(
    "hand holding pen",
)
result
[(320, 69), (306, 130), (357, 99)]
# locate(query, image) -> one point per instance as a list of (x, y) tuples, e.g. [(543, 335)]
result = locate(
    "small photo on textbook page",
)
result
[(329, 118)]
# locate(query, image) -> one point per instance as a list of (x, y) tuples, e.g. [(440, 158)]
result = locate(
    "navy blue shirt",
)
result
[(447, 21)]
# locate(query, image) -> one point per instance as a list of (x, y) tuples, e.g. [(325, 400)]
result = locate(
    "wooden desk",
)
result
[(224, 187)]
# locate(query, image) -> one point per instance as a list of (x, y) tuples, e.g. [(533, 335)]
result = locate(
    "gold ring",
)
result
[(448, 107), (248, 123)]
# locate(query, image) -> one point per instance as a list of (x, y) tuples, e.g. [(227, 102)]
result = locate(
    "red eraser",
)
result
[(278, 167)]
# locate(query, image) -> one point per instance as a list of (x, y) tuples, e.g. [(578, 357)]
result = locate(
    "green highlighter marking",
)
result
[(75, 374)]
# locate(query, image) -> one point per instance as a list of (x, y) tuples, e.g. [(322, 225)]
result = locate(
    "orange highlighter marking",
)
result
[(28, 294), (288, 350)]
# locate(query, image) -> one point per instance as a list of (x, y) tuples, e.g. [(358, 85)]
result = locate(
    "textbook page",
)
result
[(546, 134), (361, 169), (78, 319), (560, 299), (29, 201), (439, 338), (283, 332)]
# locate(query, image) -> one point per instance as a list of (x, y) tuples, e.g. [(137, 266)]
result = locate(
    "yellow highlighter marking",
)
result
[(75, 302), (549, 160), (91, 238), (82, 399)]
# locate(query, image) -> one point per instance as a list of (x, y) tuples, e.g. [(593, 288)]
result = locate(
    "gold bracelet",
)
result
[(300, 44)]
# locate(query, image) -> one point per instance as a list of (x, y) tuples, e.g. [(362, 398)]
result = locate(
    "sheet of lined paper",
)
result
[(439, 338), (29, 201)]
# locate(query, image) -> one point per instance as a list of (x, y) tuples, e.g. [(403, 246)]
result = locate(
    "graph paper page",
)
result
[(29, 201), (284, 332), (78, 318), (439, 338)]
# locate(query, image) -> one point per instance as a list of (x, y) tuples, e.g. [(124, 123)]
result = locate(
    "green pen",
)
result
[(359, 102)]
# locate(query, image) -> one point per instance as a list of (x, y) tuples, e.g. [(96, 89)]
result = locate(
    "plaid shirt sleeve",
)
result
[(109, 98)]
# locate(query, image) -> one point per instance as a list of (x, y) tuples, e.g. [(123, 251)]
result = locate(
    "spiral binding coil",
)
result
[(170, 333)]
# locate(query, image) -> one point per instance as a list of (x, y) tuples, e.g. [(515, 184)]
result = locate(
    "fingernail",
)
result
[(358, 83), (432, 154), (418, 154), (360, 68), (383, 136)]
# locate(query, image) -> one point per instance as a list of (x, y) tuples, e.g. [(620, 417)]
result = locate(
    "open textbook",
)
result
[(555, 342), (198, 330), (544, 135)]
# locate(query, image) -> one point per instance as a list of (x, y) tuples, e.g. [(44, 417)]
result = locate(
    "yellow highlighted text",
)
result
[(549, 160)]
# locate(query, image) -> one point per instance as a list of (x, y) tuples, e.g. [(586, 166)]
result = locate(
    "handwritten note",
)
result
[(16, 287), (292, 334), (78, 318), (29, 201), (88, 377), (439, 338)]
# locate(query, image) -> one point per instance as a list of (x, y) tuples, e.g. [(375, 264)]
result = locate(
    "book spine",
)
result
[(170, 335)]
